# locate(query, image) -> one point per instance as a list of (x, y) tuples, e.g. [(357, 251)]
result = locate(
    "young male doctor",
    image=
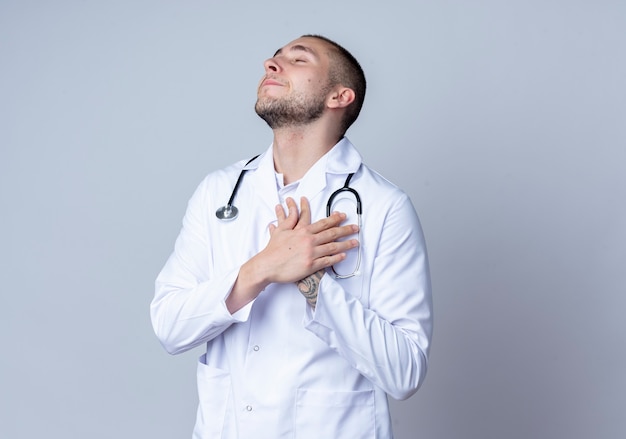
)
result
[(310, 319)]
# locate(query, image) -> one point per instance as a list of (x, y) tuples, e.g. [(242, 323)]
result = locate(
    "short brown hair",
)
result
[(347, 71)]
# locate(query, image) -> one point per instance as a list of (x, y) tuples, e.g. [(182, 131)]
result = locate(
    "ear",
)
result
[(341, 97)]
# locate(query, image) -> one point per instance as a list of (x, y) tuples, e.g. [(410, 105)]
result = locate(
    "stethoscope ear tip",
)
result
[(227, 213)]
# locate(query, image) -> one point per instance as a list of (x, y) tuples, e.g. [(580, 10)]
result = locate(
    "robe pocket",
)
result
[(332, 415), (214, 400)]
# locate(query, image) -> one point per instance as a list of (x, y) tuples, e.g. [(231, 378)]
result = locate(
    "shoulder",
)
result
[(377, 184), (384, 203)]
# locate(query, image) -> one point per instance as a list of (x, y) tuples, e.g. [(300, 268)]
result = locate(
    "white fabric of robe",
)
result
[(279, 368)]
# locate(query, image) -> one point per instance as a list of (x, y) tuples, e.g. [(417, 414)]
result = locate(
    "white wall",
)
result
[(504, 121)]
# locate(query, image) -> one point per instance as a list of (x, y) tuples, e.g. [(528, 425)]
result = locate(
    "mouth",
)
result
[(271, 82)]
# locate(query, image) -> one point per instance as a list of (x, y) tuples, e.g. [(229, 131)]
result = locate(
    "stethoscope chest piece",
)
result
[(230, 212), (227, 213)]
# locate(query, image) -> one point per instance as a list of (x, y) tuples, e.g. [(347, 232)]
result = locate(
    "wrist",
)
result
[(309, 287), (250, 281)]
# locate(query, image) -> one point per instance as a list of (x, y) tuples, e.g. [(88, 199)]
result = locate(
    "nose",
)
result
[(271, 65)]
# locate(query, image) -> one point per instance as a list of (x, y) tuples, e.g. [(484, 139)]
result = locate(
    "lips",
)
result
[(271, 81)]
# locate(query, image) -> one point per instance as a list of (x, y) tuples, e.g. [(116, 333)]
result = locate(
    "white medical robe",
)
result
[(278, 368)]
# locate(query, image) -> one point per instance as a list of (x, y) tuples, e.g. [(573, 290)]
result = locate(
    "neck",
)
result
[(296, 149)]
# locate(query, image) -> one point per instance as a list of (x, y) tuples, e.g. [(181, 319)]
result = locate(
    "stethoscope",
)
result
[(229, 212)]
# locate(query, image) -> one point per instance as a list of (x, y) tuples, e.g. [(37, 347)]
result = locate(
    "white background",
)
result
[(505, 121)]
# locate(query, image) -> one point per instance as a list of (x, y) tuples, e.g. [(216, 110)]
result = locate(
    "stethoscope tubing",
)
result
[(346, 188), (229, 212)]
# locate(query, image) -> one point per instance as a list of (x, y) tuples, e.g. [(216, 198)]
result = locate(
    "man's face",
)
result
[(296, 83)]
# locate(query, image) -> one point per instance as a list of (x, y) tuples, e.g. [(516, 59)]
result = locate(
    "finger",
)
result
[(328, 261), (333, 220), (280, 213), (334, 248), (292, 216), (305, 212), (335, 233), (287, 220)]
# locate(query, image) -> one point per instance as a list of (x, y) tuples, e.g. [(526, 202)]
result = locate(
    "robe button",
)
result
[(256, 348), (249, 408)]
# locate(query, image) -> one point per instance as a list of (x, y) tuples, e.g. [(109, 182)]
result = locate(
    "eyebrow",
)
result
[(298, 48)]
